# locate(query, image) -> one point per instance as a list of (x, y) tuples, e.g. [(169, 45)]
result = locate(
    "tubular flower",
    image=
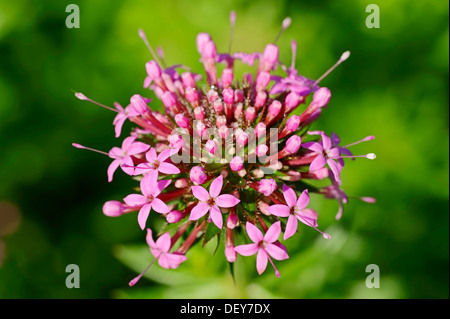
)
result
[(238, 150)]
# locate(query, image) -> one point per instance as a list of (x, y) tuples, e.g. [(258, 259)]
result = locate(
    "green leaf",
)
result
[(211, 231), (248, 198)]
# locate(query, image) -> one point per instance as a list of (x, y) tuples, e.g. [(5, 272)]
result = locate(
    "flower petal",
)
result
[(335, 169), (276, 252), (303, 200), (151, 243), (159, 206), (135, 200), (289, 196), (273, 232), (167, 168), (137, 148), (261, 261), (247, 250), (127, 143), (291, 227), (118, 124), (216, 187), (166, 154), (279, 210), (151, 155), (143, 215), (163, 242), (334, 153), (308, 217), (326, 141), (127, 165), (149, 183), (216, 216), (199, 211), (112, 168), (226, 200), (254, 233), (174, 260), (161, 185), (313, 146), (200, 193), (318, 162)]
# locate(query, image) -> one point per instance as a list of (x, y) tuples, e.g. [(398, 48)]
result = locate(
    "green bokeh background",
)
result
[(394, 86)]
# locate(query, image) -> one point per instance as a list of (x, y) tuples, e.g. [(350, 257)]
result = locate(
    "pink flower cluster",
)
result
[(227, 155)]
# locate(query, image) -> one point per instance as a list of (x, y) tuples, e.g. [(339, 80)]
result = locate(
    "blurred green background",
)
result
[(394, 86)]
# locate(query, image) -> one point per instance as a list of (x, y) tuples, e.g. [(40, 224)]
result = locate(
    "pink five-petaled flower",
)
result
[(150, 188), (211, 201), (295, 210), (122, 115), (157, 162), (264, 246), (327, 154), (160, 249), (123, 156)]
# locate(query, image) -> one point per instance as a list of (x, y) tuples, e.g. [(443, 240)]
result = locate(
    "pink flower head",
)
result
[(211, 201), (295, 211), (151, 189), (158, 163), (264, 246), (124, 156)]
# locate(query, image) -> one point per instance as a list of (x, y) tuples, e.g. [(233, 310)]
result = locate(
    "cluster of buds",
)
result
[(227, 158)]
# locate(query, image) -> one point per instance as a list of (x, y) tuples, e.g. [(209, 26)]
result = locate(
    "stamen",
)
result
[(83, 97), (284, 25), (149, 47), (232, 24), (370, 156), (294, 53), (160, 53), (343, 57), (325, 235), (136, 279), (277, 273), (368, 138), (88, 148)]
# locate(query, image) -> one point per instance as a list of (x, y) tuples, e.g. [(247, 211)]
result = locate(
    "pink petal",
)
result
[(135, 200), (276, 252), (261, 261), (149, 183), (335, 169), (166, 154), (150, 240), (313, 146), (273, 232), (118, 124), (335, 140), (279, 210), (163, 242), (159, 206), (115, 152), (334, 153), (216, 216), (308, 217), (163, 262), (126, 165), (326, 141), (174, 260), (291, 227), (112, 168), (289, 196), (226, 200), (199, 211), (200, 193), (142, 169), (151, 155), (247, 250), (161, 185), (167, 168), (216, 187), (254, 233), (303, 200), (143, 215), (137, 148), (127, 142), (318, 163)]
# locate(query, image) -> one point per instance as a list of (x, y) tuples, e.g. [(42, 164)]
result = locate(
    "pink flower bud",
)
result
[(199, 113), (242, 138), (188, 80), (292, 123), (168, 82), (238, 110), (274, 109), (236, 163), (260, 129), (139, 104), (223, 131), (263, 207), (169, 99), (192, 96), (201, 40), (197, 175), (261, 150), (201, 128), (209, 50), (182, 121), (232, 220), (267, 186), (293, 144), (221, 120), (262, 81), (176, 141), (270, 57), (174, 216), (250, 114), (113, 208), (153, 70), (211, 146), (227, 77), (230, 253), (218, 107), (260, 99), (212, 95), (321, 97), (228, 96), (181, 183), (292, 101), (238, 96)]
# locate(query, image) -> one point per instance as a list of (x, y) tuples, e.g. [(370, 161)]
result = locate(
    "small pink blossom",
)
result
[(158, 163)]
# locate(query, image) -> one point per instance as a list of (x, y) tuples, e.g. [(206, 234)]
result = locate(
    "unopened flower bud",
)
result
[(236, 163), (223, 131), (199, 113), (182, 121), (211, 147), (242, 138), (169, 99), (270, 57), (291, 101), (260, 99), (113, 208), (192, 96), (188, 80), (174, 216), (153, 70), (292, 123), (261, 150), (321, 97), (260, 129), (262, 81), (198, 175), (176, 141), (238, 96), (139, 104), (228, 96), (227, 77), (181, 183), (267, 186), (293, 144), (250, 114)]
